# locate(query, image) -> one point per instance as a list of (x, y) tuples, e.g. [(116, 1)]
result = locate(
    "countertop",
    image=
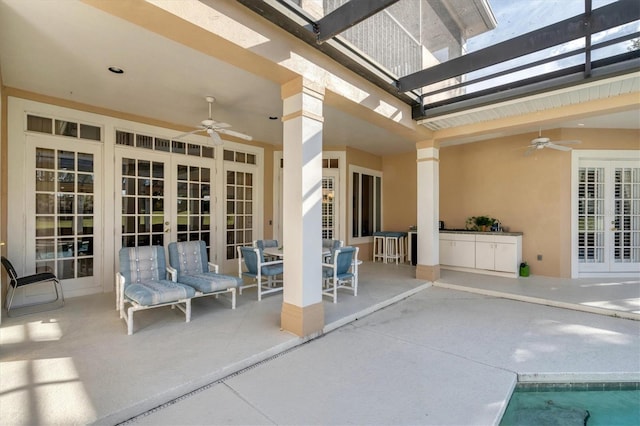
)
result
[(466, 231)]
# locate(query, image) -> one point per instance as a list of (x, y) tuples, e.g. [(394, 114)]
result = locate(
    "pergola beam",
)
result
[(606, 17), (348, 15)]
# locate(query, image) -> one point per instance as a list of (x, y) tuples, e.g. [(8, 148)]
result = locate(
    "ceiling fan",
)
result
[(214, 128), (542, 142)]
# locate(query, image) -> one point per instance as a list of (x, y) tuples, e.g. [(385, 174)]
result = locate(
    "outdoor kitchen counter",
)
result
[(465, 231)]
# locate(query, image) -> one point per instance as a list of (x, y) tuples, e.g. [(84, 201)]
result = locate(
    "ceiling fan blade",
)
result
[(571, 142), (558, 147), (188, 133), (215, 137), (530, 150), (236, 134)]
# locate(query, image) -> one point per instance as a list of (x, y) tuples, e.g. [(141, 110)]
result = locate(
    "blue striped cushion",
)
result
[(148, 293), (209, 282)]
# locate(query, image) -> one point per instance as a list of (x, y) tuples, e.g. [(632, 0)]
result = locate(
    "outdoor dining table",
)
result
[(278, 252)]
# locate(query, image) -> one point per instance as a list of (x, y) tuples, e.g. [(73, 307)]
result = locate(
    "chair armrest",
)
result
[(329, 265), (213, 267), (173, 273), (273, 262)]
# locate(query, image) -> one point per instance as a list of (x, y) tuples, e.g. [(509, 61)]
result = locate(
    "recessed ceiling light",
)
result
[(116, 70), (581, 124)]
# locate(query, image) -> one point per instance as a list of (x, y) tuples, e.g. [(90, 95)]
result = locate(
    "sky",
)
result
[(517, 17)]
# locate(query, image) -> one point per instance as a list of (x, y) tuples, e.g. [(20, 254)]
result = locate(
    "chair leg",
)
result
[(130, 321), (233, 298), (188, 310), (13, 292)]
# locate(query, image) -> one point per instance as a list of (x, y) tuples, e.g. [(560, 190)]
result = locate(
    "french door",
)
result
[(330, 199), (608, 216), (240, 207), (164, 198), (64, 200)]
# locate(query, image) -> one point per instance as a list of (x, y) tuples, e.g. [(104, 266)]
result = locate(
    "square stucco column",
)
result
[(302, 309), (428, 267)]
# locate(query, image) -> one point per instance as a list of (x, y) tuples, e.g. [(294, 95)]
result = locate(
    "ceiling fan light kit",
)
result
[(214, 128)]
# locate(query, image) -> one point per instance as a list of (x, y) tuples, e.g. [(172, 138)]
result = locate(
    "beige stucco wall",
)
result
[(399, 191), (530, 194)]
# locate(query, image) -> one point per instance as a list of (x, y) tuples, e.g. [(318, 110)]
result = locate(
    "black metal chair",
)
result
[(42, 277)]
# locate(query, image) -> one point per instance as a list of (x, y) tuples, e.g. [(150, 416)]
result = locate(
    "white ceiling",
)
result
[(63, 49)]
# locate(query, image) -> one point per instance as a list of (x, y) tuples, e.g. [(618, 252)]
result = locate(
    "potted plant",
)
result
[(480, 223), (524, 269)]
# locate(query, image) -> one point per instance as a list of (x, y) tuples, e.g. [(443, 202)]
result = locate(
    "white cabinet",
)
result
[(481, 252), (458, 250), (498, 253)]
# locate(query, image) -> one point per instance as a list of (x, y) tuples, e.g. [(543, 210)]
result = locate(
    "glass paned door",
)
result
[(591, 216), (143, 190), (193, 204), (626, 220), (330, 205), (164, 199), (65, 237), (239, 211), (608, 216)]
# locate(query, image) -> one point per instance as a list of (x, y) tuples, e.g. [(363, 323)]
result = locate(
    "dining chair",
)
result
[(17, 282), (331, 245), (263, 244), (251, 265), (342, 272)]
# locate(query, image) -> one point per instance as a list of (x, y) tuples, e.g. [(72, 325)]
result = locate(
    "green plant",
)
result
[(478, 222)]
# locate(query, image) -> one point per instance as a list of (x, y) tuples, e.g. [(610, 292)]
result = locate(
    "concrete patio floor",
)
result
[(402, 352)]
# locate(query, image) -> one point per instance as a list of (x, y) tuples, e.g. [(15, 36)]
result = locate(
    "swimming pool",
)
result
[(589, 404)]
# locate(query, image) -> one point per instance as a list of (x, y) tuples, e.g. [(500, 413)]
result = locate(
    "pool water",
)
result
[(573, 407)]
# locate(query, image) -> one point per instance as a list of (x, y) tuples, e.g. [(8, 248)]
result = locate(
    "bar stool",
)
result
[(395, 247), (379, 243)]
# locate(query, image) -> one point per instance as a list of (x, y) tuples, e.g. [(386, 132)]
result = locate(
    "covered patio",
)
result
[(76, 365)]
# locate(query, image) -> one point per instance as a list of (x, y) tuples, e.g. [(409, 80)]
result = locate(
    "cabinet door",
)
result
[(446, 252), (485, 255), (465, 254), (505, 257)]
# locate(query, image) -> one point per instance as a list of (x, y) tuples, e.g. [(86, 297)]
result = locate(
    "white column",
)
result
[(302, 309), (428, 185)]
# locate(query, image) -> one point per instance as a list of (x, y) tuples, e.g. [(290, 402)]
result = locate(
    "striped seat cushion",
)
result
[(209, 282), (155, 292)]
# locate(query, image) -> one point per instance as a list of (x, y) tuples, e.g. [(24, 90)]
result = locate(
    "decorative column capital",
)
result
[(428, 143), (302, 85)]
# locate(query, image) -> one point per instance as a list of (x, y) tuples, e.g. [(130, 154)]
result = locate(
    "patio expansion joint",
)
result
[(541, 301), (222, 380)]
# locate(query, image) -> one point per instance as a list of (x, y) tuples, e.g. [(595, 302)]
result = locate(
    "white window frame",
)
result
[(576, 156), (376, 174)]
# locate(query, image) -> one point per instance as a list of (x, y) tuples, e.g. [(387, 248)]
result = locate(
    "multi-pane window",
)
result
[(64, 212), (63, 128), (194, 204), (591, 214), (139, 140), (366, 203), (143, 192), (239, 198), (626, 215), (328, 207)]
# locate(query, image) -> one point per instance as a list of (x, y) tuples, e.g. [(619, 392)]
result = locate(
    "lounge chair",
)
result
[(190, 262), (142, 284)]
